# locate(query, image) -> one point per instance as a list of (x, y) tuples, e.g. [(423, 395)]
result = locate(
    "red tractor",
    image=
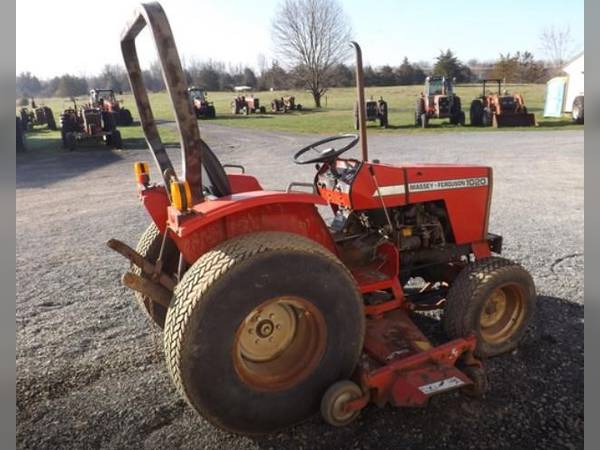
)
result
[(438, 101), (105, 100), (246, 105), (500, 109), (270, 314), (41, 115), (87, 123), (201, 106)]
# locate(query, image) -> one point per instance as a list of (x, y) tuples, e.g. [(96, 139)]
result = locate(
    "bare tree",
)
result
[(312, 37), (557, 44)]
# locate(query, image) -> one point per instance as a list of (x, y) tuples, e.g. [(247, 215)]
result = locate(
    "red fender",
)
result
[(214, 221)]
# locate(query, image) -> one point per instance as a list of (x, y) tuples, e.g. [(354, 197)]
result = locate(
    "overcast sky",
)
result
[(80, 36)]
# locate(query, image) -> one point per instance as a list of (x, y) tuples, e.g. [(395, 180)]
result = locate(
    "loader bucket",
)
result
[(513, 120)]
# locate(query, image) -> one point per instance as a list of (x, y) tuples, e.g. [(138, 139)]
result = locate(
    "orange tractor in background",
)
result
[(500, 110), (201, 106), (438, 101), (105, 100), (246, 105)]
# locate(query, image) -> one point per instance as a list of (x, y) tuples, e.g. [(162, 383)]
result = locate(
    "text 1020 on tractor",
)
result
[(270, 314), (438, 101)]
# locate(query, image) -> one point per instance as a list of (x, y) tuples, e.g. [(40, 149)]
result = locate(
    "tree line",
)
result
[(521, 67)]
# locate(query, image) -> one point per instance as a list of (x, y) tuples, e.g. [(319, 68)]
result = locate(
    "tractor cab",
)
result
[(197, 94), (438, 85), (200, 105), (103, 97)]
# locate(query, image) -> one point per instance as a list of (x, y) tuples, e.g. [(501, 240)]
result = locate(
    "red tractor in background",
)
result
[(246, 105), (374, 110), (285, 104), (270, 313), (438, 101), (500, 109), (88, 123), (201, 106), (105, 100), (38, 115)]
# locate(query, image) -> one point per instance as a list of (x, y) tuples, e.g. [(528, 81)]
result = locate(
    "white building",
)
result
[(574, 88)]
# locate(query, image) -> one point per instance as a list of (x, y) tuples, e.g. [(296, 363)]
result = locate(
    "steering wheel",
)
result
[(327, 154)]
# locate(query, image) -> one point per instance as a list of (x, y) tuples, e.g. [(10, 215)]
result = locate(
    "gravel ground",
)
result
[(89, 368)]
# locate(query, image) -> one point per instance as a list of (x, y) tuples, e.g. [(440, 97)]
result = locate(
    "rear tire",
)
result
[(217, 305), (476, 113), (50, 120), (125, 118), (115, 140), (149, 247), (70, 141), (494, 298), (487, 118)]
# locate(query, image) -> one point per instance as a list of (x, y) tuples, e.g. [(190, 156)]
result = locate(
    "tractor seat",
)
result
[(214, 178)]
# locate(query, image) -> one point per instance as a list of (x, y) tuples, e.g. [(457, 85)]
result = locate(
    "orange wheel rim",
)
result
[(279, 343), (503, 313)]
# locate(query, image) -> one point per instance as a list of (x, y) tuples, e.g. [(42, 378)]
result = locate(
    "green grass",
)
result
[(334, 117)]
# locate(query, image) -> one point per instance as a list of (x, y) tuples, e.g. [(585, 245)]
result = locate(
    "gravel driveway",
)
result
[(89, 368)]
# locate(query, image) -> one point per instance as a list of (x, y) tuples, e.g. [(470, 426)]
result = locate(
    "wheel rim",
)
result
[(502, 313), (279, 343)]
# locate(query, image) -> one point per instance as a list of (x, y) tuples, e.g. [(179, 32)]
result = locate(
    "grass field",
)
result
[(334, 117)]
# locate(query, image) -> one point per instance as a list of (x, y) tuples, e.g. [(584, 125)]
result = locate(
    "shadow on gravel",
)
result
[(36, 170), (535, 399)]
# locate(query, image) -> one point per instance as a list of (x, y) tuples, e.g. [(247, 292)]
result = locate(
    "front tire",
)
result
[(494, 298), (261, 286)]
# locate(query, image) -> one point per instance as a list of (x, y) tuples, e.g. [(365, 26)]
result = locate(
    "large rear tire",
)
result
[(149, 247), (259, 328), (50, 120), (476, 113), (494, 298)]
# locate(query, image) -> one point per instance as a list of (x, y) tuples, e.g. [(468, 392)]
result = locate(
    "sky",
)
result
[(84, 35)]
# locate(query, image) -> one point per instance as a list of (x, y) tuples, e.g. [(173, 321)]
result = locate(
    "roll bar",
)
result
[(153, 16), (360, 94)]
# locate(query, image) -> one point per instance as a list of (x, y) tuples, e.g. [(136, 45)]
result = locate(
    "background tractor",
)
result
[(201, 106), (374, 110), (105, 100), (270, 313), (438, 101), (87, 123), (41, 115), (285, 104), (500, 109), (246, 105)]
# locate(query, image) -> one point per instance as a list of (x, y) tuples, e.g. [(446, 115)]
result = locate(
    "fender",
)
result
[(211, 222)]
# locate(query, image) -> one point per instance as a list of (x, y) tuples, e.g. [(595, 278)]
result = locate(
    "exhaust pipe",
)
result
[(360, 94)]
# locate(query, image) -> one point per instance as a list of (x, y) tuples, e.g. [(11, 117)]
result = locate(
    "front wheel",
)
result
[(273, 317), (494, 298)]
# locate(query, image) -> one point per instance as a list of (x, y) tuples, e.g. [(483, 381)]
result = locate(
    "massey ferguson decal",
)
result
[(448, 184), (426, 186)]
